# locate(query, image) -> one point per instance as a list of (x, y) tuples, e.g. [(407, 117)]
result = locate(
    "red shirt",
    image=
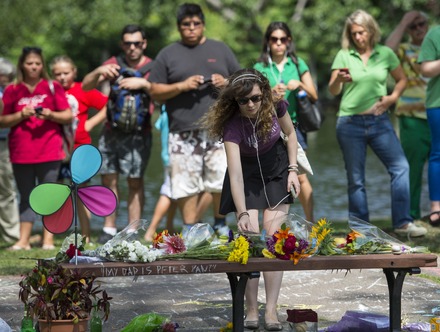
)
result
[(35, 140), (80, 102)]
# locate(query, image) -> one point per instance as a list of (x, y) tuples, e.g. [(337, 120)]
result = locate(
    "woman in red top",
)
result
[(64, 71), (34, 108)]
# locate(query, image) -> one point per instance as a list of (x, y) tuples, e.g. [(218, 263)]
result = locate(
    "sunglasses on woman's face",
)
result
[(414, 26), (275, 40), (245, 100)]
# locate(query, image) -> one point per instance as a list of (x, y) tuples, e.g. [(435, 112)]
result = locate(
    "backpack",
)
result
[(128, 110)]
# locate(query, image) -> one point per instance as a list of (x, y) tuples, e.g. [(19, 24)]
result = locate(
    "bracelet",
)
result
[(245, 213), (293, 165), (293, 170)]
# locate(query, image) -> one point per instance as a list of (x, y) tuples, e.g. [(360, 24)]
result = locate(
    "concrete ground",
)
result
[(203, 302)]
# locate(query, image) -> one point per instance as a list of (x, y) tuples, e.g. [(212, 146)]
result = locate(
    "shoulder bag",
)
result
[(310, 115)]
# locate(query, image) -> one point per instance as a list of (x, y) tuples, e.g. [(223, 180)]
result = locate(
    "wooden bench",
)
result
[(395, 267)]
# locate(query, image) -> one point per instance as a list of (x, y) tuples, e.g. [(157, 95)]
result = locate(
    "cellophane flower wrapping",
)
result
[(366, 238), (290, 242), (128, 245), (361, 322), (150, 322)]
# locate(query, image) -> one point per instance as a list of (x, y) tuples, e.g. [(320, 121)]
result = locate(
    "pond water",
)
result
[(329, 182)]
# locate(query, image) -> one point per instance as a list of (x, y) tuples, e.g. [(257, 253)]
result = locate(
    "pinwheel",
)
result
[(57, 202)]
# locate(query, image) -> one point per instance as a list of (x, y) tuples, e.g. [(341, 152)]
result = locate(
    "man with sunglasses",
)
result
[(185, 77), (415, 135), (125, 153)]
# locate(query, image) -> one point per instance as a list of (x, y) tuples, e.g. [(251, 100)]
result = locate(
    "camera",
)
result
[(38, 109)]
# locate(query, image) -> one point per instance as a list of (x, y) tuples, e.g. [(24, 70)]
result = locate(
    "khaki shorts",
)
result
[(197, 163)]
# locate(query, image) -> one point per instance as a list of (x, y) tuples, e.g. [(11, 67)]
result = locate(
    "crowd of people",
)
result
[(229, 134)]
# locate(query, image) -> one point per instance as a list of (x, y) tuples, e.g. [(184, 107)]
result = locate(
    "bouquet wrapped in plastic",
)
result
[(150, 322), (366, 238), (126, 246)]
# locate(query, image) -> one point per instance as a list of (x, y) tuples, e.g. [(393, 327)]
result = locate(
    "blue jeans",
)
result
[(434, 157), (354, 134)]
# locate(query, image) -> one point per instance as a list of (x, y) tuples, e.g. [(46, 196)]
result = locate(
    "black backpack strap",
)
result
[(146, 68), (121, 61)]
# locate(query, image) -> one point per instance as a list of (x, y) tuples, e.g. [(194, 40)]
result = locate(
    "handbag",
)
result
[(301, 158), (310, 115)]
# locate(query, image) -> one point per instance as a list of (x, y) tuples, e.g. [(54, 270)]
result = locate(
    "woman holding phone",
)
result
[(34, 109), (360, 71)]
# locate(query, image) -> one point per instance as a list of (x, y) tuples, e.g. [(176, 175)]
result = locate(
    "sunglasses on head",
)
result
[(245, 100), (275, 40), (414, 26), (31, 49), (136, 43)]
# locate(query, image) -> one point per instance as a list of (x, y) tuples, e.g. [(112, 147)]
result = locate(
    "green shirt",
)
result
[(430, 51), (290, 72), (369, 81)]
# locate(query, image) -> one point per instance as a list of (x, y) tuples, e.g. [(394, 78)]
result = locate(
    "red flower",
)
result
[(71, 251), (290, 244)]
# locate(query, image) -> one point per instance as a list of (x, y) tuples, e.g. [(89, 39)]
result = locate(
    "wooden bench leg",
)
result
[(238, 283), (395, 284)]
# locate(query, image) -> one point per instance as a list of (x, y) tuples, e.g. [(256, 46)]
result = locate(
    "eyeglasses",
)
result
[(187, 25), (275, 40), (414, 26), (244, 101), (31, 49), (136, 43)]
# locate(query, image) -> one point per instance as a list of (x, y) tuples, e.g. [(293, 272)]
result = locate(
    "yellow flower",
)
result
[(240, 252), (266, 253)]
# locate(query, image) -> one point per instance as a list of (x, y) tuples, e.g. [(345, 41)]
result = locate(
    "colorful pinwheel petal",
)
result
[(54, 201)]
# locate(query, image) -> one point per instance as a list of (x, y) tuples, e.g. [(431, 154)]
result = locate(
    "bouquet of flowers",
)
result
[(285, 245), (321, 238), (126, 247), (366, 238), (69, 246)]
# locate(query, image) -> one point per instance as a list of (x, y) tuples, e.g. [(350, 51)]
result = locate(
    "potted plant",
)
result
[(52, 293)]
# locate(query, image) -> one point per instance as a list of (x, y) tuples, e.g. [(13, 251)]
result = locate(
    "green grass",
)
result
[(19, 262)]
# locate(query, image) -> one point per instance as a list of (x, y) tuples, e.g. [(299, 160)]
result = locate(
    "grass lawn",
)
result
[(19, 262)]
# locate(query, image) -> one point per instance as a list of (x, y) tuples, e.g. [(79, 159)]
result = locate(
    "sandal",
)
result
[(435, 222), (16, 247)]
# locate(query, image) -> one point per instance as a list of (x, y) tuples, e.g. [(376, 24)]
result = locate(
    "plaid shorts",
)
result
[(124, 153), (197, 163)]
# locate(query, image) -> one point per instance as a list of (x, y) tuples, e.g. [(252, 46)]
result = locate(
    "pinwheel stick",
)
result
[(74, 193)]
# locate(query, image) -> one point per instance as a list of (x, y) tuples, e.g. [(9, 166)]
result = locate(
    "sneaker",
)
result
[(104, 237), (412, 230)]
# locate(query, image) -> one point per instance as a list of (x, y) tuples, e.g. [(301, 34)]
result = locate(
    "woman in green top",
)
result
[(360, 71), (288, 74)]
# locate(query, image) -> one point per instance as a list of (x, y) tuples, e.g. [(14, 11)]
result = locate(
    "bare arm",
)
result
[(430, 68), (98, 118), (61, 117), (395, 38), (306, 84), (95, 77), (161, 92), (385, 102), (292, 149), (337, 80), (235, 175)]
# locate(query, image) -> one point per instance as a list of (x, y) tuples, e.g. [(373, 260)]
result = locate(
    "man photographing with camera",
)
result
[(125, 146)]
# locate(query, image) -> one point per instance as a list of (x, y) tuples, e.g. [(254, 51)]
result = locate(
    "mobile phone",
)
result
[(207, 80), (38, 109), (293, 191), (345, 70)]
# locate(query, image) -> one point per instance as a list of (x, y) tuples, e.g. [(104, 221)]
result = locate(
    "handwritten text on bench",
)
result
[(157, 270)]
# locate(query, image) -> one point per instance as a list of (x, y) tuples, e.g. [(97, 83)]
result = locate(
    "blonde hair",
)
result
[(362, 18), (62, 58)]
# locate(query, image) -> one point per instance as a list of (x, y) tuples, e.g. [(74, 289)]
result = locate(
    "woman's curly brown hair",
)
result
[(239, 85)]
